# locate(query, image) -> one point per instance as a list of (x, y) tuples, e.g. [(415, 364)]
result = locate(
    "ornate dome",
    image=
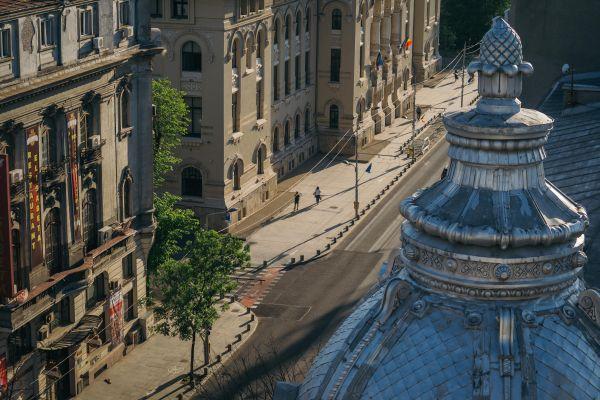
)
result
[(484, 300)]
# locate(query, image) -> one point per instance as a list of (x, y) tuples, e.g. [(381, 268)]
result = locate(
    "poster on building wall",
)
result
[(3, 373), (115, 317), (74, 167), (33, 192), (6, 260)]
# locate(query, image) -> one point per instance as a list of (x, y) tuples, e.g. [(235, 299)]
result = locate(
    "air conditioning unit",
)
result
[(105, 234), (127, 31), (98, 43), (43, 333), (16, 176), (94, 141)]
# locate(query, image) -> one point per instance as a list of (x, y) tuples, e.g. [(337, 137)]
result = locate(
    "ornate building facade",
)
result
[(484, 300), (76, 219), (272, 82)]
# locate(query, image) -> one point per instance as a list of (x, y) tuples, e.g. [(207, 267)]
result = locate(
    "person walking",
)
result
[(455, 75), (471, 78), (317, 195), (296, 201), (419, 113)]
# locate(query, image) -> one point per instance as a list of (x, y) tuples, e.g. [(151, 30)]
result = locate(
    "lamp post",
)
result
[(567, 69), (229, 210), (356, 203), (414, 112)]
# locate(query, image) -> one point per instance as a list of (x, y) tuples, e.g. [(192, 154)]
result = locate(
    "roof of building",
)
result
[(9, 7)]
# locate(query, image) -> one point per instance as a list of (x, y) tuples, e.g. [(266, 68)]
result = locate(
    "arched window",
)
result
[(334, 116), (307, 121), (297, 127), (260, 160), (191, 182), (124, 110), (126, 204), (90, 219), (288, 27), (249, 51), (298, 23), (259, 45), (236, 174), (191, 57), (286, 134), (52, 239), (275, 144), (276, 32), (336, 20), (235, 54)]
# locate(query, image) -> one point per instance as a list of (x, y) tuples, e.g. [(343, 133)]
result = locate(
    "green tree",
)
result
[(466, 21), (192, 286), (170, 125), (175, 228)]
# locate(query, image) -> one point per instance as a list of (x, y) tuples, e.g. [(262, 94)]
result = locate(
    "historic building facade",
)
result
[(272, 82), (76, 218)]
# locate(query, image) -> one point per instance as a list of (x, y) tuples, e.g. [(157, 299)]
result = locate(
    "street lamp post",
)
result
[(414, 112), (356, 203), (567, 69), (462, 89)]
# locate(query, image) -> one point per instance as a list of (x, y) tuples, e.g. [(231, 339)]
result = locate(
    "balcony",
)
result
[(17, 192), (91, 155), (52, 174)]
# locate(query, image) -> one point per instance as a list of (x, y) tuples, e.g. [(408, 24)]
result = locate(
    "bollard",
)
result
[(293, 260), (346, 229), (327, 246), (264, 263), (378, 196), (352, 222), (251, 317), (229, 347), (334, 240), (238, 337), (362, 212), (340, 234), (218, 360), (318, 252), (368, 206), (301, 257), (248, 328)]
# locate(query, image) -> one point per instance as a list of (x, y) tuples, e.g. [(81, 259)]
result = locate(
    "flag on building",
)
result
[(379, 60), (408, 43)]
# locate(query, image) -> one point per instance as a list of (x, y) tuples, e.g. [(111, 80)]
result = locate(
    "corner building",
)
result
[(270, 83), (76, 218)]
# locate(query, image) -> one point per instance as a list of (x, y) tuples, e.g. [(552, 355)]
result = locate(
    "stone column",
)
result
[(396, 31), (386, 31), (375, 37)]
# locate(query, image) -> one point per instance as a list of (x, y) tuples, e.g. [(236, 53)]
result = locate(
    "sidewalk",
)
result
[(156, 368), (292, 234)]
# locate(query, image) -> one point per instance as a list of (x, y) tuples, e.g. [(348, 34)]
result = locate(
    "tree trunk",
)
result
[(192, 359), (206, 348)]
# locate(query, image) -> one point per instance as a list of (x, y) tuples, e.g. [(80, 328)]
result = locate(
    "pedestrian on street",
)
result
[(444, 172), (419, 113), (471, 77), (455, 75), (317, 195), (296, 201)]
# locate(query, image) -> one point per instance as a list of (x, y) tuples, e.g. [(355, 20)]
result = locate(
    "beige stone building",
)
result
[(272, 82), (76, 219)]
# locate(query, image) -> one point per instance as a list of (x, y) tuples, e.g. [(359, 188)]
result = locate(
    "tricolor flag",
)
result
[(408, 43)]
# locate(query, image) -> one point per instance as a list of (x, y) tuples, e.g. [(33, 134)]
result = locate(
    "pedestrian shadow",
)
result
[(166, 385)]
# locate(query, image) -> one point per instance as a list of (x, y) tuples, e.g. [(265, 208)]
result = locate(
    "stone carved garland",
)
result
[(495, 271)]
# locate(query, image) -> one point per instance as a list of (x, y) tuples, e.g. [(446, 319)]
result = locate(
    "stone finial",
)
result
[(501, 67)]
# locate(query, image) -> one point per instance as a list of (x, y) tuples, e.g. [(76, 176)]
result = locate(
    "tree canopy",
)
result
[(466, 21), (170, 125)]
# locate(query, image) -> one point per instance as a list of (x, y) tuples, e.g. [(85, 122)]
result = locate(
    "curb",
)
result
[(381, 195)]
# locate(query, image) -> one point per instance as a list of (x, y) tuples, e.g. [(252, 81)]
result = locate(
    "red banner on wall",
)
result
[(3, 373), (115, 317), (72, 125), (6, 259), (33, 192)]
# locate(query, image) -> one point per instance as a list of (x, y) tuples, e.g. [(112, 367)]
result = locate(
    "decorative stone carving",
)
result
[(473, 319), (410, 252), (589, 303), (396, 291), (502, 272)]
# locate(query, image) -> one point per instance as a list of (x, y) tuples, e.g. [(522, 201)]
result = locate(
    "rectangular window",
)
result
[(286, 77), (128, 266), (307, 68), (86, 27), (297, 72), (128, 306), (124, 13), (47, 37), (5, 46), (156, 8), (195, 106), (336, 55), (179, 9), (259, 95), (276, 83)]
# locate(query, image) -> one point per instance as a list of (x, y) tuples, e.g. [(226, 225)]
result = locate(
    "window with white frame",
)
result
[(47, 29), (5, 42), (124, 17), (86, 22)]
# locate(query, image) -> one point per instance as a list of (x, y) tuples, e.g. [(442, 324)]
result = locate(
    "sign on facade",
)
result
[(6, 259)]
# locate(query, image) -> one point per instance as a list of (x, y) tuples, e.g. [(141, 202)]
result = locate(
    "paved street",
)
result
[(300, 312)]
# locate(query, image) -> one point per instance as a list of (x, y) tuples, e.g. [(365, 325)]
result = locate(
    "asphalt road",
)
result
[(303, 308)]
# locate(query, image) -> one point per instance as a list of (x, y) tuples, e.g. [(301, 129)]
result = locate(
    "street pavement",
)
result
[(294, 233), (156, 368), (305, 306)]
